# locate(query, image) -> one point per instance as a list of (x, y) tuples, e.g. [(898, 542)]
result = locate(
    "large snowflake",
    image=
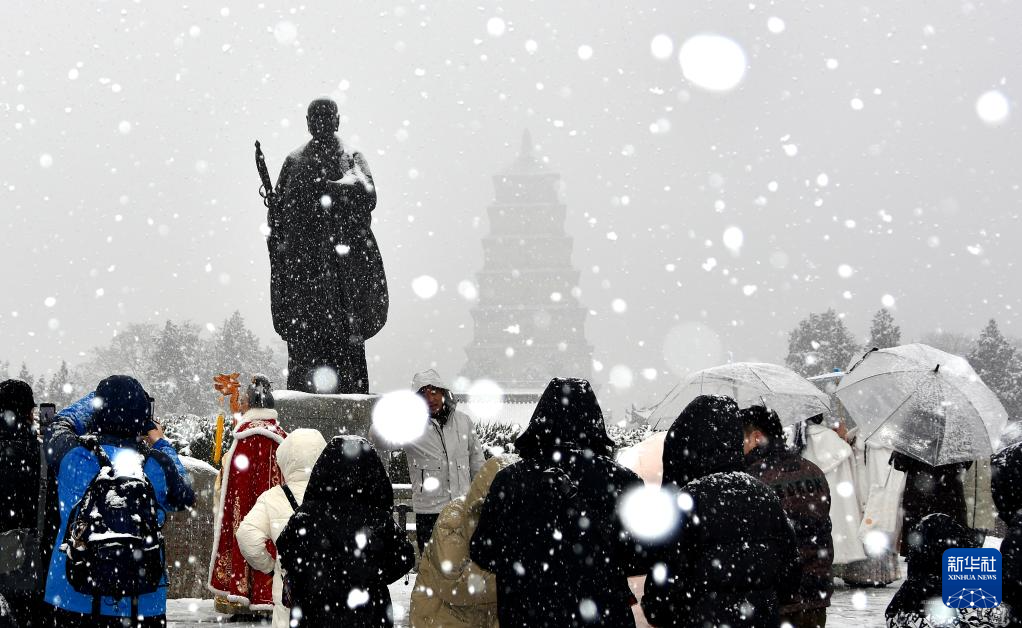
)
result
[(971, 598)]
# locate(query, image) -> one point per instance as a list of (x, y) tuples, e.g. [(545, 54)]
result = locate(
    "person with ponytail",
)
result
[(249, 468)]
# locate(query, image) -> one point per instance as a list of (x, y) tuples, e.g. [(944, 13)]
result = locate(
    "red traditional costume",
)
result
[(249, 468)]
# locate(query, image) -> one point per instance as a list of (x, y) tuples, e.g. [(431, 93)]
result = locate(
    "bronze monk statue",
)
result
[(328, 288)]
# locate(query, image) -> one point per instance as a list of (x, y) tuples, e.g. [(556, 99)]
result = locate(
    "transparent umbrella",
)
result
[(923, 402), (750, 384)]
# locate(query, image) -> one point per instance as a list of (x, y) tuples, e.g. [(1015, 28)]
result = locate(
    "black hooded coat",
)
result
[(549, 528), (929, 490), (341, 548), (1006, 484), (735, 553), (911, 605)]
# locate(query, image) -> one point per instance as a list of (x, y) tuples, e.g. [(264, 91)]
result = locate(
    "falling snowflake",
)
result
[(712, 62), (400, 417)]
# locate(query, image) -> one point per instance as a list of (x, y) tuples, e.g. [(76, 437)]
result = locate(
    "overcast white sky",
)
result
[(128, 192)]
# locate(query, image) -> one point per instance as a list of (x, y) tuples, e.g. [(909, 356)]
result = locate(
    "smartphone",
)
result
[(47, 411), (152, 407)]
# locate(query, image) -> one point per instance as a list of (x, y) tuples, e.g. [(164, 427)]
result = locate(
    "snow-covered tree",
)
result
[(175, 363), (41, 390), (178, 379), (820, 344), (999, 365), (26, 376), (237, 350), (62, 390), (953, 342), (130, 352), (883, 333)]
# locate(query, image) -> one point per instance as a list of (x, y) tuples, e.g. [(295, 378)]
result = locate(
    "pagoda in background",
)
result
[(529, 323)]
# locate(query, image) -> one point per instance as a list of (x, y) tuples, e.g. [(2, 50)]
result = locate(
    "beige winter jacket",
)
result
[(451, 591), (295, 456)]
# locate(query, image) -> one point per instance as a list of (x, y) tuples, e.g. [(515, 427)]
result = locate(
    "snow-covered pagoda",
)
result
[(529, 323)]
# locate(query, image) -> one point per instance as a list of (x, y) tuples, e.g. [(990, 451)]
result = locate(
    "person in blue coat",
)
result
[(119, 415)]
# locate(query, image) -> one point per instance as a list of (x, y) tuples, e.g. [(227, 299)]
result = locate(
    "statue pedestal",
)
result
[(330, 414), (189, 536)]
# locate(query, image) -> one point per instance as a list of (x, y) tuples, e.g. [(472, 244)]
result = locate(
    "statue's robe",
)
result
[(328, 288)]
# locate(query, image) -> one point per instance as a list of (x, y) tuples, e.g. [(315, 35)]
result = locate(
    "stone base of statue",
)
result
[(189, 536), (330, 414)]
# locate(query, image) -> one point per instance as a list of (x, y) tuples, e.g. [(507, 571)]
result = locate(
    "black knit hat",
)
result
[(16, 396), (122, 407)]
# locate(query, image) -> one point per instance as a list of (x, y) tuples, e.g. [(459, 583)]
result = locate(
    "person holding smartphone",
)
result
[(20, 466)]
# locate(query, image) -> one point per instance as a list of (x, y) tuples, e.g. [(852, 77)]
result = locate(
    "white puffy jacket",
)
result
[(441, 462), (295, 456)]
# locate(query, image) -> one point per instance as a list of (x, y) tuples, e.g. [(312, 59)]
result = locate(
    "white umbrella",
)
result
[(750, 384), (923, 402)]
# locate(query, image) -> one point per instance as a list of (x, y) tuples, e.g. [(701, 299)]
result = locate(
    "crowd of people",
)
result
[(536, 538)]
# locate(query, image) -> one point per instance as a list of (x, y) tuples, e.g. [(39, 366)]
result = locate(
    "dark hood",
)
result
[(706, 438), (121, 407), (568, 416), (1006, 482), (936, 533), (349, 472)]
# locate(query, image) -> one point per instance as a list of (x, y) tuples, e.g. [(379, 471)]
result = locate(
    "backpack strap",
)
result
[(92, 444), (290, 496)]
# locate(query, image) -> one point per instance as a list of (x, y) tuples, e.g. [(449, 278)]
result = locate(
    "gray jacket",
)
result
[(442, 462)]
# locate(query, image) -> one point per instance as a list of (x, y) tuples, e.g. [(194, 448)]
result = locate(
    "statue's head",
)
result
[(322, 118)]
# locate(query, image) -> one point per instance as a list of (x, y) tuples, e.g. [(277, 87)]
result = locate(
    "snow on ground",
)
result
[(850, 608)]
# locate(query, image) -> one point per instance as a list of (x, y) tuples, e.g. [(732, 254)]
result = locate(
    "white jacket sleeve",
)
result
[(252, 535)]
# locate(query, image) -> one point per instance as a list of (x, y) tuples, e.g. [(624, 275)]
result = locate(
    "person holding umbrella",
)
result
[(918, 601), (937, 415), (929, 490)]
